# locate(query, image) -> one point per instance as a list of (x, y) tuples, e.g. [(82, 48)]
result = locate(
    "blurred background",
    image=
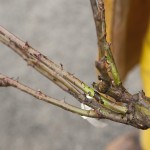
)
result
[(65, 32)]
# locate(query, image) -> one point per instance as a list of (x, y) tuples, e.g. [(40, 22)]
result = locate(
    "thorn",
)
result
[(61, 66), (93, 84), (99, 77), (82, 83), (27, 44), (38, 55), (39, 92), (143, 93)]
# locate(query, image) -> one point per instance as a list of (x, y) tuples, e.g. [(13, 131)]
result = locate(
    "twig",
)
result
[(6, 81), (103, 106), (35, 60), (115, 103), (103, 45), (65, 80), (99, 113)]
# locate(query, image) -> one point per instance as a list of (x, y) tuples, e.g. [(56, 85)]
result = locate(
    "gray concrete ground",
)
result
[(64, 31)]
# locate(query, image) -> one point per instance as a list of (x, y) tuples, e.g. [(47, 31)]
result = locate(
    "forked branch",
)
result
[(109, 99), (8, 82)]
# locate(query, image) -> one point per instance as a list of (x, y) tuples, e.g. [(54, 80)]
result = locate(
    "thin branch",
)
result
[(116, 103), (100, 113), (34, 60), (6, 81), (103, 45), (54, 72), (104, 106)]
